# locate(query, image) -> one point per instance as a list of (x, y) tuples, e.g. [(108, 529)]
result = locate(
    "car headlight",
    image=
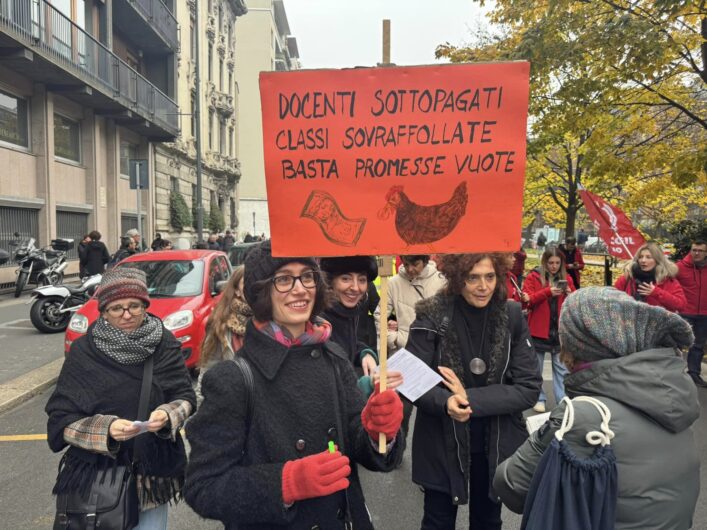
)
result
[(78, 323), (179, 320)]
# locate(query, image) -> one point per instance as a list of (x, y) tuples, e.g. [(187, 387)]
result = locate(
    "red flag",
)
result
[(615, 228)]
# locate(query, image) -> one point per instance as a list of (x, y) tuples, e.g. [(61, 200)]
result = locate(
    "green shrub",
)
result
[(216, 220), (179, 214), (682, 235)]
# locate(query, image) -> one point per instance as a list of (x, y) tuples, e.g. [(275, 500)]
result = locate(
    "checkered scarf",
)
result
[(128, 348), (316, 332)]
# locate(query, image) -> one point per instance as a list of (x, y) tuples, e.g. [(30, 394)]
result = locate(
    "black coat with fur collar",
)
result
[(293, 417), (440, 458)]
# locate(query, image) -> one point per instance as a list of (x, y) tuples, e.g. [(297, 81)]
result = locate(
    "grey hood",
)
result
[(654, 382)]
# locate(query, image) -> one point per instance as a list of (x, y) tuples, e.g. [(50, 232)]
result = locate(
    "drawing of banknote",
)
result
[(323, 209)]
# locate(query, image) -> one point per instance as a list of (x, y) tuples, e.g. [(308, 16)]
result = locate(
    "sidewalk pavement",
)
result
[(22, 388)]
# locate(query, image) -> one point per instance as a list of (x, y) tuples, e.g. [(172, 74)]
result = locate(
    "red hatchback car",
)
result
[(184, 287)]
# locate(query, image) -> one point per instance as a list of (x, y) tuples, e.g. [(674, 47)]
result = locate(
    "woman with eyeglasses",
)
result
[(289, 459), (479, 342), (97, 395)]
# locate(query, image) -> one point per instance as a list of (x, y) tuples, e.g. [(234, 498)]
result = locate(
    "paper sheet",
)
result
[(142, 425), (534, 422), (418, 378)]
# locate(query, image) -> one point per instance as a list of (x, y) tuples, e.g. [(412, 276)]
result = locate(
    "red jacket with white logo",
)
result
[(667, 294), (539, 304), (694, 283)]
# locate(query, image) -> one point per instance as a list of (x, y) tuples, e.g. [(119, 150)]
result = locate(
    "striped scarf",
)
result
[(316, 332)]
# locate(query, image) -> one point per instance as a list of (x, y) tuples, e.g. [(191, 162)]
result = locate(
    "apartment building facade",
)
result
[(264, 44), (85, 86), (175, 162)]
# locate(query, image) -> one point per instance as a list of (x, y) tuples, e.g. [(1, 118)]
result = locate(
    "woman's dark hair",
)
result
[(95, 235), (414, 258), (262, 307), (456, 268), (125, 242)]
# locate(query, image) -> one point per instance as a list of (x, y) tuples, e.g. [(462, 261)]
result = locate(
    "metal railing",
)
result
[(161, 18), (39, 25)]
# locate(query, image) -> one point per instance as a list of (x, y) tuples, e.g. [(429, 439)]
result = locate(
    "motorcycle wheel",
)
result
[(21, 282), (56, 278), (45, 315)]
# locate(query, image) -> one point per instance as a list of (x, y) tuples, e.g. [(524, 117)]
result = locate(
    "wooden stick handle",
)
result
[(385, 270)]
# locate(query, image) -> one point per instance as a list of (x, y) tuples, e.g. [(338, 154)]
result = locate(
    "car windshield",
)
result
[(171, 279)]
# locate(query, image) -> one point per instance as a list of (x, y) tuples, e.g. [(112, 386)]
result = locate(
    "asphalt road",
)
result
[(22, 347)]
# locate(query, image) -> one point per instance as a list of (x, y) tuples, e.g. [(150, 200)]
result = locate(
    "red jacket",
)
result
[(693, 281), (539, 304), (667, 294), (578, 263)]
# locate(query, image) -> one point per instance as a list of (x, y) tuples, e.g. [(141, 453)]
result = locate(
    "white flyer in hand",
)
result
[(418, 378), (142, 425)]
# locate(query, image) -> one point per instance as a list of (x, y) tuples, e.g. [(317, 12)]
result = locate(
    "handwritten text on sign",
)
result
[(410, 160)]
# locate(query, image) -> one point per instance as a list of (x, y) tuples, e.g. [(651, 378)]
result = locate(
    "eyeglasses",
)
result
[(118, 311), (475, 279), (286, 282)]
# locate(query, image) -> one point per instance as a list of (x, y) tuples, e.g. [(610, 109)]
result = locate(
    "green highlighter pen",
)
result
[(332, 449)]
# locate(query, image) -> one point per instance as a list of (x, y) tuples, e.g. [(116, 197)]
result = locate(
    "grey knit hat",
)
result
[(260, 265), (604, 323), (122, 282)]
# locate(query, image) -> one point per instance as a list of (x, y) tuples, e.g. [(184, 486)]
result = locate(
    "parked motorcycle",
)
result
[(53, 305), (41, 266)]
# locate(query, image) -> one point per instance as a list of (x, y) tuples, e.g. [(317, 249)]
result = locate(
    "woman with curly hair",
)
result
[(226, 327), (479, 342), (650, 278)]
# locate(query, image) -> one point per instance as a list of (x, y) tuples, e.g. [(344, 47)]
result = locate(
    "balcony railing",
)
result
[(161, 18), (42, 26)]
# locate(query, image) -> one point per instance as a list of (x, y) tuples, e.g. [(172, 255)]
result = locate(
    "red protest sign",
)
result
[(614, 227), (414, 160)]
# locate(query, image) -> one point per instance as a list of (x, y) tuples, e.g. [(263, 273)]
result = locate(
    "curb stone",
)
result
[(20, 389)]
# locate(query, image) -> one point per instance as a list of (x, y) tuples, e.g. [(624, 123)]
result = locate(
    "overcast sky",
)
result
[(346, 33)]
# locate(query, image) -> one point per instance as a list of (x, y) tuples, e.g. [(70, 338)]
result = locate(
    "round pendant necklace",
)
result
[(477, 365)]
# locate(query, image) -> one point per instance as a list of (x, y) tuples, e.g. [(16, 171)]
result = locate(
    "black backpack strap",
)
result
[(249, 381)]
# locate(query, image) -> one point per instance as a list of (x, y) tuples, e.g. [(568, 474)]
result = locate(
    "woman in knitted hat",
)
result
[(544, 292), (624, 353), (226, 327), (289, 459), (650, 278), (479, 342), (97, 395)]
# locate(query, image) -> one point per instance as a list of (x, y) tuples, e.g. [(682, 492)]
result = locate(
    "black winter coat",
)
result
[(94, 258), (345, 323), (239, 481), (440, 458)]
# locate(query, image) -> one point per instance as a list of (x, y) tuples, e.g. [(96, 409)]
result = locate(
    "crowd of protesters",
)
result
[(289, 403)]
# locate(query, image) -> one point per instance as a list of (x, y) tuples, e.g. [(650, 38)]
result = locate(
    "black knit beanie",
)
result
[(260, 265), (348, 264)]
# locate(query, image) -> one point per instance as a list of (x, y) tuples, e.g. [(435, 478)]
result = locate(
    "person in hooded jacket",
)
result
[(95, 256), (96, 399), (544, 291), (479, 341), (81, 249), (650, 278), (269, 467), (624, 353)]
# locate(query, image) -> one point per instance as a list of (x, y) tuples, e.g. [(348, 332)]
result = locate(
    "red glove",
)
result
[(314, 476), (382, 414)]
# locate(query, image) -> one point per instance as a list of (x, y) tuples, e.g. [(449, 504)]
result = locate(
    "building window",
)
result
[(71, 225), (230, 34), (174, 184), (234, 222), (211, 129), (210, 61), (230, 82), (14, 120), (67, 138), (220, 75), (128, 152), (220, 20), (223, 148)]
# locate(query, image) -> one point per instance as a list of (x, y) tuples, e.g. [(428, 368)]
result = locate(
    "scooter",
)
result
[(43, 266), (53, 305)]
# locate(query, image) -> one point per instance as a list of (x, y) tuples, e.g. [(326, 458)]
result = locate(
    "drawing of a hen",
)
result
[(418, 224)]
